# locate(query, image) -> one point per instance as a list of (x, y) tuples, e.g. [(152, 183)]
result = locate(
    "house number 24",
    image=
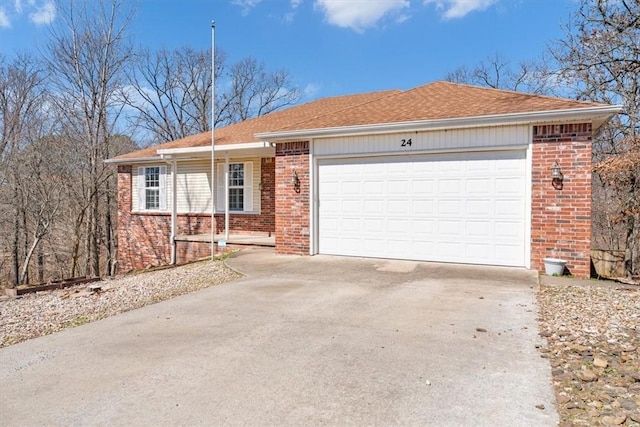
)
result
[(405, 142)]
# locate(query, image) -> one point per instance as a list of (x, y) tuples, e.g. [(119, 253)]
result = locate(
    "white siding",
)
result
[(438, 140), (194, 186)]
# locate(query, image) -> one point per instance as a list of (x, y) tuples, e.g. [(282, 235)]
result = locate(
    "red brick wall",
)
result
[(561, 218), (292, 205), (144, 238)]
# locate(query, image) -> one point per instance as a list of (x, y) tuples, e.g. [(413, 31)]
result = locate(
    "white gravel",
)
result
[(42, 313)]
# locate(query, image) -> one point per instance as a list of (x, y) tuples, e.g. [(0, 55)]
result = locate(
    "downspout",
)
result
[(174, 211), (174, 207), (226, 198)]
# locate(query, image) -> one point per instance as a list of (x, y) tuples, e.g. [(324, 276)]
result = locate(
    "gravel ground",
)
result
[(42, 313), (593, 345)]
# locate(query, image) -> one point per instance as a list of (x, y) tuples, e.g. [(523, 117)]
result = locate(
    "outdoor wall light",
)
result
[(261, 186), (556, 176), (295, 181)]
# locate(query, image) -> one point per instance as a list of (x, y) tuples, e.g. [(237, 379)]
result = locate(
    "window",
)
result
[(236, 187), (240, 187), (152, 188)]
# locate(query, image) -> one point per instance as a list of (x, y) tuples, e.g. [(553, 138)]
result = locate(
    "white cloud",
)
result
[(358, 15), (310, 90), (17, 4), (44, 14), (459, 8), (4, 19), (288, 17), (246, 5)]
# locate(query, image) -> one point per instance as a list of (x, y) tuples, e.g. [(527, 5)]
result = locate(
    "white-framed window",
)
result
[(152, 188), (240, 187)]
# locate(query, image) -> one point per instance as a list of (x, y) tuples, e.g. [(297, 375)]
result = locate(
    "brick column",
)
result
[(292, 204), (561, 218)]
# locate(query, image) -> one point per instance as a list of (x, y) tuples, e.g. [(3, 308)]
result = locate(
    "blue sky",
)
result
[(330, 47)]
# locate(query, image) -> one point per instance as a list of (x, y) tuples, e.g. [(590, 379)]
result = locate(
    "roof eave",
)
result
[(604, 113), (185, 153), (130, 160)]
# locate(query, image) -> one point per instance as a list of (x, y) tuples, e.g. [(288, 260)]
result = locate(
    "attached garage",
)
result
[(468, 207)]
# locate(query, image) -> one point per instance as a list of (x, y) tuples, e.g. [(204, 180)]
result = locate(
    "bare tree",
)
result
[(600, 58), (497, 72), (171, 92), (21, 97), (254, 91), (88, 54)]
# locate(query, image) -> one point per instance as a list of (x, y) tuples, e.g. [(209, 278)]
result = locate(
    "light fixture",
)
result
[(260, 186), (556, 176), (295, 181)]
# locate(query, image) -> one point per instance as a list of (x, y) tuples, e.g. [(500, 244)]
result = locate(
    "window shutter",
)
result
[(141, 199), (163, 188), (220, 196), (248, 186)]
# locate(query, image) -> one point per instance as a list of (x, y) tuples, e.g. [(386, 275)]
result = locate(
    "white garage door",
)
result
[(467, 208)]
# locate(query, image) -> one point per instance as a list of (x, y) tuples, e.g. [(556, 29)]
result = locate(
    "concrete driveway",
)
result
[(299, 341)]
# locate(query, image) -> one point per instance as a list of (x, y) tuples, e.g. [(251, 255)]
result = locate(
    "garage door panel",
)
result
[(479, 186), (479, 208), (449, 187), (423, 208), (456, 208), (509, 208), (479, 229)]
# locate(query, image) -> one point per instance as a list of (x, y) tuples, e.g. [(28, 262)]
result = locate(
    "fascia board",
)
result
[(604, 112), (207, 148), (132, 160)]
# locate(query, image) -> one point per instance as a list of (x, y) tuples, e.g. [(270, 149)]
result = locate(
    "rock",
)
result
[(628, 404), (563, 399), (586, 375), (635, 417), (577, 348), (557, 372), (614, 421), (600, 363), (540, 406), (481, 330), (593, 413), (571, 405)]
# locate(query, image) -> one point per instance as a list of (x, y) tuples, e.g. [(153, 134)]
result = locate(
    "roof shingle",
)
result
[(434, 101)]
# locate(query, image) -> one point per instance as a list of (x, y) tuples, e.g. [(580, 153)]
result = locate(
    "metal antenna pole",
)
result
[(213, 137)]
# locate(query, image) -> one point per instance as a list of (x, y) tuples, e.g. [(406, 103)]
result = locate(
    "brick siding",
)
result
[(144, 237), (292, 205), (561, 218)]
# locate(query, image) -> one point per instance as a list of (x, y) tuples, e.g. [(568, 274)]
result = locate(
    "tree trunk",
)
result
[(16, 240)]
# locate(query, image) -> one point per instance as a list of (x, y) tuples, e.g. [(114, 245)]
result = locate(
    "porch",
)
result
[(234, 239)]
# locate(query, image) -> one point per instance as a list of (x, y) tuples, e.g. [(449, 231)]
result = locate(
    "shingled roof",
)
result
[(435, 101), (245, 131)]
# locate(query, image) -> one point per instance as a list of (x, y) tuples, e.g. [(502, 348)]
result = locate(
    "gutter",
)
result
[(603, 112)]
